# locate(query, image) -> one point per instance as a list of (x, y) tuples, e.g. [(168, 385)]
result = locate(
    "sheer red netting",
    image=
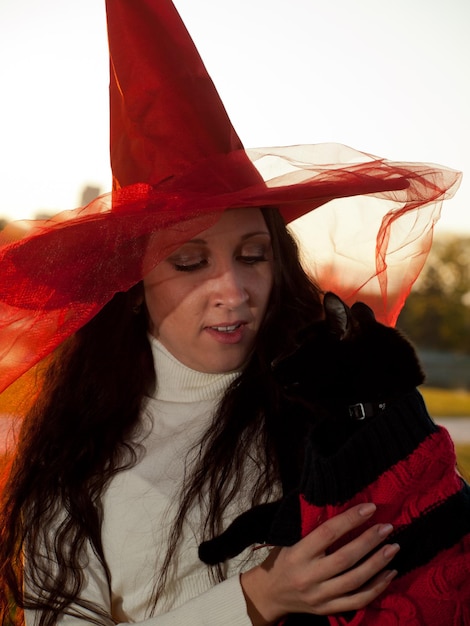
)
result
[(369, 245)]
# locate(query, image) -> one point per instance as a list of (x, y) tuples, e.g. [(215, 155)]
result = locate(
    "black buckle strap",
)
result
[(363, 410)]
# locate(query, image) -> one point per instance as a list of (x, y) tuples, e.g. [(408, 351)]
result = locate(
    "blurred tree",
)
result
[(437, 312)]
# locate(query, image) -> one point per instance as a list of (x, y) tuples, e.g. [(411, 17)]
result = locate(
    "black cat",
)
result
[(346, 368), (354, 380)]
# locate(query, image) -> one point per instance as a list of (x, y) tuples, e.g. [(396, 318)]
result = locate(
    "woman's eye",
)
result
[(252, 259), (252, 254), (189, 265)]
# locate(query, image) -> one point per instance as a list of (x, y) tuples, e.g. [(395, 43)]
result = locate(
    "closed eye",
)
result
[(252, 260), (190, 267)]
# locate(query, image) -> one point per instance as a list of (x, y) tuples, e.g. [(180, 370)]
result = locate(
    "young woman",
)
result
[(128, 421), (158, 420)]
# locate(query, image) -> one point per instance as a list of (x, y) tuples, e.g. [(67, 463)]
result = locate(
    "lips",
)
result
[(226, 329), (227, 333)]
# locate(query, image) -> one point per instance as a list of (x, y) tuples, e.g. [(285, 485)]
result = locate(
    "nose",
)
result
[(229, 289)]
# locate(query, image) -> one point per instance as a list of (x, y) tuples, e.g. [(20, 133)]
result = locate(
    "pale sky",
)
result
[(389, 77)]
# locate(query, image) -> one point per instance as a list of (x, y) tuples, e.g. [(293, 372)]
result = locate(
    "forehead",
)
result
[(236, 224)]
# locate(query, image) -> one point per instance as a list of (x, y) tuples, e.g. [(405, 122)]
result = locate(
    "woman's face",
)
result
[(207, 300)]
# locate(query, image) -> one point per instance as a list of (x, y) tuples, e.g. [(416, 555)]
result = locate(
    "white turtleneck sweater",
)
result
[(139, 506)]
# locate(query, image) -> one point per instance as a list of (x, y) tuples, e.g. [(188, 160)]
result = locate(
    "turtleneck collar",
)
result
[(178, 383)]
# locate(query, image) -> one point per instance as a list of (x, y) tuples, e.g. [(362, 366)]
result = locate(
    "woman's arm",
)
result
[(222, 604), (301, 578)]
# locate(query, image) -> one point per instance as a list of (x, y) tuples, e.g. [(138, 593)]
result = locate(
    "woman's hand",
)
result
[(303, 578)]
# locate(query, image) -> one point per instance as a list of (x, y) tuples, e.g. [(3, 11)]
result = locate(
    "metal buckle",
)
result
[(357, 411)]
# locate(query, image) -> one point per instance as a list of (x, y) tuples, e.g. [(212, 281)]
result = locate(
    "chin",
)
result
[(224, 361), (225, 366)]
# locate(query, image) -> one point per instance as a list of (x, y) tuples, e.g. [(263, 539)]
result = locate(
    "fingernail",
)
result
[(391, 550), (384, 530), (366, 510), (390, 575)]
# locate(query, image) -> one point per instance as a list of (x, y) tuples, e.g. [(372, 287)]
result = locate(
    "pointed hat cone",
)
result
[(166, 113)]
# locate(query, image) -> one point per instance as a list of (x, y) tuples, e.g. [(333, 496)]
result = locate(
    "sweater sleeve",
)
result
[(222, 604)]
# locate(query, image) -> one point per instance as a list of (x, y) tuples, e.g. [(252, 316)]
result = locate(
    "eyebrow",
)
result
[(243, 237)]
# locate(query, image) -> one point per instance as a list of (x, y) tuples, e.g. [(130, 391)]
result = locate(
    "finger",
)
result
[(360, 598), (349, 555), (320, 539), (359, 576)]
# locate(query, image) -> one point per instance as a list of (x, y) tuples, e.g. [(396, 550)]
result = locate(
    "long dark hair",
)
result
[(82, 431)]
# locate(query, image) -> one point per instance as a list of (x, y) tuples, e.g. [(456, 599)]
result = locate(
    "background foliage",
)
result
[(436, 316), (437, 312)]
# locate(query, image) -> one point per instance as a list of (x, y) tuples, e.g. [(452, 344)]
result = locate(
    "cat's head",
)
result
[(350, 357)]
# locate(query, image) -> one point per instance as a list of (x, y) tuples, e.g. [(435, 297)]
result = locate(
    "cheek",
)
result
[(168, 303), (263, 288), (155, 314), (160, 303)]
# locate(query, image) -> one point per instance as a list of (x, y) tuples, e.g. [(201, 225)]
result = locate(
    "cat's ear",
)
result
[(363, 313), (337, 315)]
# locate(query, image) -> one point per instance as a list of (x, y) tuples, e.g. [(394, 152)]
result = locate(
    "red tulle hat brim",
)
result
[(62, 271)]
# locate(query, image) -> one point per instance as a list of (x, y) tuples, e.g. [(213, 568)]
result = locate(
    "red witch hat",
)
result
[(177, 163)]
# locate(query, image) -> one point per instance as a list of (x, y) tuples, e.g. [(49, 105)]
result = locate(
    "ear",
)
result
[(337, 315), (363, 313)]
